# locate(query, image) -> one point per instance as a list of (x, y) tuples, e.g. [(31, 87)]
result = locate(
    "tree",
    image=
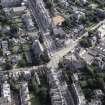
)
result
[(13, 29), (90, 70), (85, 42), (92, 83), (22, 63), (43, 95), (101, 83)]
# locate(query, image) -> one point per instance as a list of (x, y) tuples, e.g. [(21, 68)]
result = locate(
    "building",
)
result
[(100, 62), (18, 10), (10, 3), (59, 93), (101, 30), (95, 102), (83, 2), (59, 32), (100, 49), (5, 48), (87, 56), (79, 15), (37, 78), (40, 14), (58, 20), (27, 20), (77, 94), (24, 94), (6, 92), (7, 12), (95, 55), (75, 77), (72, 61), (76, 91), (4, 101), (6, 29), (98, 94), (26, 75), (1, 77), (93, 6), (63, 3), (37, 48)]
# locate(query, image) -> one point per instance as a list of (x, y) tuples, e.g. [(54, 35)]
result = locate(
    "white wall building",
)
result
[(101, 31), (10, 3), (6, 93)]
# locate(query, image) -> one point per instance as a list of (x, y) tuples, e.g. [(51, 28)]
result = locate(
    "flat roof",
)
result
[(6, 91)]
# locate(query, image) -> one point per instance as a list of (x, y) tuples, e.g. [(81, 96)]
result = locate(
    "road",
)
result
[(57, 55), (35, 68), (70, 48)]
